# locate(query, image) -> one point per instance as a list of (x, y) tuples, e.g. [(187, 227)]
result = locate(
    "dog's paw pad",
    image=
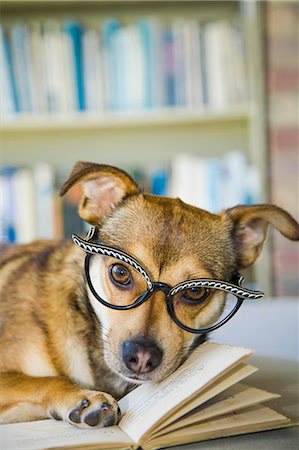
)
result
[(103, 415), (93, 418), (75, 414)]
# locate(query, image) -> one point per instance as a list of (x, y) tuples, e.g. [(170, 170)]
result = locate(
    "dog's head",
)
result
[(174, 242)]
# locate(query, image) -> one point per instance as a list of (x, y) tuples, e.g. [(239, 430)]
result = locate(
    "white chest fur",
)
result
[(77, 363)]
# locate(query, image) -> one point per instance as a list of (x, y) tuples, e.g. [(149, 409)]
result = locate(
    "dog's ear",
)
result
[(103, 188), (249, 228)]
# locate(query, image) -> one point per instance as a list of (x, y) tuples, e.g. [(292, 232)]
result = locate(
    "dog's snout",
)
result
[(141, 356)]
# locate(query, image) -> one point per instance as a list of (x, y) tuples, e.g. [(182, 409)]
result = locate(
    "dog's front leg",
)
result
[(26, 398)]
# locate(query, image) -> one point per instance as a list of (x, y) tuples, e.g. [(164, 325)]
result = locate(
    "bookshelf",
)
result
[(88, 120), (145, 138)]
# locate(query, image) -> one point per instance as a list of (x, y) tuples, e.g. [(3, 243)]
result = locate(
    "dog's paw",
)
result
[(86, 409)]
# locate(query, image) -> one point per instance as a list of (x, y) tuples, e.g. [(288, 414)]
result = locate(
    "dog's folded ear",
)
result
[(103, 188), (249, 228)]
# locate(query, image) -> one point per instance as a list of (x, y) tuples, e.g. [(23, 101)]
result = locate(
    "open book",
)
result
[(202, 400)]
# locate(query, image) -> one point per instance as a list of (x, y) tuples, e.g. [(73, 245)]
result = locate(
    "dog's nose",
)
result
[(141, 356)]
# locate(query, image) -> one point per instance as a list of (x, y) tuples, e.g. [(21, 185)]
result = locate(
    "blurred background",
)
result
[(195, 99)]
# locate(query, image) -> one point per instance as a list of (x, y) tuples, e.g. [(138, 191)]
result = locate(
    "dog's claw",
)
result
[(85, 403)]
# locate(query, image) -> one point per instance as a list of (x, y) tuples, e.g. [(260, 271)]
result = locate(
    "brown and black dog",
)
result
[(60, 349)]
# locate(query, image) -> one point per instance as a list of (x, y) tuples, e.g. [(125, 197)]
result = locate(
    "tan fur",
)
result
[(59, 346)]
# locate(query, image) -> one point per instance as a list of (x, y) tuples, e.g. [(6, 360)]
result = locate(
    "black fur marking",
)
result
[(200, 339), (41, 324), (41, 258)]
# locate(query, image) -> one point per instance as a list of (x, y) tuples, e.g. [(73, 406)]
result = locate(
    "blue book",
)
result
[(21, 65), (110, 28), (119, 50), (169, 69), (7, 79), (145, 28), (74, 30), (203, 59), (214, 168), (159, 182), (8, 215)]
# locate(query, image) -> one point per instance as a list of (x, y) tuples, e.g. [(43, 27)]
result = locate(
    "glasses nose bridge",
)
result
[(164, 287)]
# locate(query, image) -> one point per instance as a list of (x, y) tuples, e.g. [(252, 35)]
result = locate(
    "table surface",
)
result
[(274, 375)]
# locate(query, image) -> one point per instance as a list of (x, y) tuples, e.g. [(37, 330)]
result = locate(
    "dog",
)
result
[(64, 354)]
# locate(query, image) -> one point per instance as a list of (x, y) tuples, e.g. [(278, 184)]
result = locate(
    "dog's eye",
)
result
[(196, 294), (120, 274)]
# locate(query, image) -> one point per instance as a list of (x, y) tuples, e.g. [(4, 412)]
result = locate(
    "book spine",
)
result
[(110, 28), (43, 179), (93, 70), (169, 69), (145, 30), (8, 202), (181, 80), (25, 216), (19, 45), (74, 30), (8, 98)]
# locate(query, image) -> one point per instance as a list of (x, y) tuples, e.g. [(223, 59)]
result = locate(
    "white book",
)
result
[(93, 70), (25, 213), (136, 66), (180, 178), (215, 65), (200, 180), (190, 180), (192, 61), (68, 68), (121, 52), (57, 78), (38, 69), (234, 188), (43, 176)]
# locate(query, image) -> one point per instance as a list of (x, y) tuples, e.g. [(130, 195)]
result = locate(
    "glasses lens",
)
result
[(115, 281), (200, 308)]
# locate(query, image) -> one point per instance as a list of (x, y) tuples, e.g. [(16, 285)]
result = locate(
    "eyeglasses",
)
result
[(118, 281)]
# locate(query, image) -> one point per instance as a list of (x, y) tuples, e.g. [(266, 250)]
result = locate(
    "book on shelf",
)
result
[(203, 399), (53, 66)]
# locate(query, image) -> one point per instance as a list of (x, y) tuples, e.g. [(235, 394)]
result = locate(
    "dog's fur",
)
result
[(60, 349)]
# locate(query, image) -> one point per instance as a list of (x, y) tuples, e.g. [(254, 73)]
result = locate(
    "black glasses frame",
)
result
[(92, 248)]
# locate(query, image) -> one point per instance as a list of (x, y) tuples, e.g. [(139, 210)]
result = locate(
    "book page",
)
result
[(45, 434), (147, 404), (222, 384), (233, 399), (247, 421)]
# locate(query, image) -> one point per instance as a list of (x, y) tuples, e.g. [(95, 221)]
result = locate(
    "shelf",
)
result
[(87, 120)]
